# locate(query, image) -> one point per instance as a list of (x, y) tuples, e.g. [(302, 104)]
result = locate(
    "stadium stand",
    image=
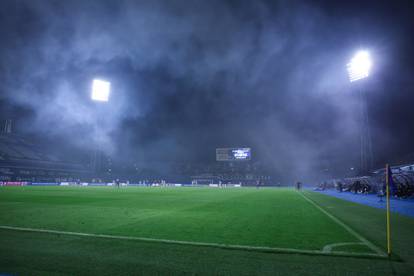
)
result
[(21, 160), (402, 175)]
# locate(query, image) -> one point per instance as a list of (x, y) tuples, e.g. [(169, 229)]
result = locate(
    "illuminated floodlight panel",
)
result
[(100, 90), (360, 66)]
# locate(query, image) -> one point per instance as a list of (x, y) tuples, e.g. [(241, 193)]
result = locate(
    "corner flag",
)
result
[(388, 183), (393, 188)]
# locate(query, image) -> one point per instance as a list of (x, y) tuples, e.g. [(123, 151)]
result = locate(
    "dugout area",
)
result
[(205, 224)]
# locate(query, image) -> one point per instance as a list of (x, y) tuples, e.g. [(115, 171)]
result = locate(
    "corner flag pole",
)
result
[(387, 182)]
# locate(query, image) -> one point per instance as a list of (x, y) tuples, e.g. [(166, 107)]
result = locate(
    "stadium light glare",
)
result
[(360, 66), (100, 90)]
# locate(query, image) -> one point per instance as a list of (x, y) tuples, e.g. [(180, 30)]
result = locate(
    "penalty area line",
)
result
[(373, 247), (191, 243)]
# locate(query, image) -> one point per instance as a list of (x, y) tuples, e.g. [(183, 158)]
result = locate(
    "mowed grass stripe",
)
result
[(271, 218)]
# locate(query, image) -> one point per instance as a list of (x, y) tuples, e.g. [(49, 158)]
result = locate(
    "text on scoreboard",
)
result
[(233, 154)]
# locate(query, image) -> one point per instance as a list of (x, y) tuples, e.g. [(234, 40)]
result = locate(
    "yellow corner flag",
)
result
[(388, 182)]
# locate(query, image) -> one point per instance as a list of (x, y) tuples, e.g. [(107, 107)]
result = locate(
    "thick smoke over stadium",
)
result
[(191, 76)]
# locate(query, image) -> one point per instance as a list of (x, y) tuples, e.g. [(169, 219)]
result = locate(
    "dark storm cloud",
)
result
[(190, 76)]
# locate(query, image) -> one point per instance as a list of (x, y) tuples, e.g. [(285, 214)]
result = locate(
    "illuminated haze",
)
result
[(190, 76)]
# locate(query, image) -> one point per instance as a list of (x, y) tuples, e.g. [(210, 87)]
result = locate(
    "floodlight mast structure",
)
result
[(359, 68), (100, 93)]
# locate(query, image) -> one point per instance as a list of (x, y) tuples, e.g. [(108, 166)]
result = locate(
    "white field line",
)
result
[(346, 227), (328, 248), (190, 243)]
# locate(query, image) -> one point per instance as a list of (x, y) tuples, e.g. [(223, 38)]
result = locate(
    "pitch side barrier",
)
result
[(44, 184), (14, 183), (109, 184)]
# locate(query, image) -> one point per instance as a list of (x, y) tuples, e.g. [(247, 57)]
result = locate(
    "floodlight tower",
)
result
[(359, 68), (100, 93)]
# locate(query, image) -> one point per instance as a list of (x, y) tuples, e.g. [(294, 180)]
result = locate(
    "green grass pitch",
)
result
[(104, 230)]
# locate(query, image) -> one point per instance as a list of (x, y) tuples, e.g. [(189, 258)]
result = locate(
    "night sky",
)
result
[(190, 76)]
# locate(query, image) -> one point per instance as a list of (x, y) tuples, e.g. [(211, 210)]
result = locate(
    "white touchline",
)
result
[(346, 227), (216, 245)]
